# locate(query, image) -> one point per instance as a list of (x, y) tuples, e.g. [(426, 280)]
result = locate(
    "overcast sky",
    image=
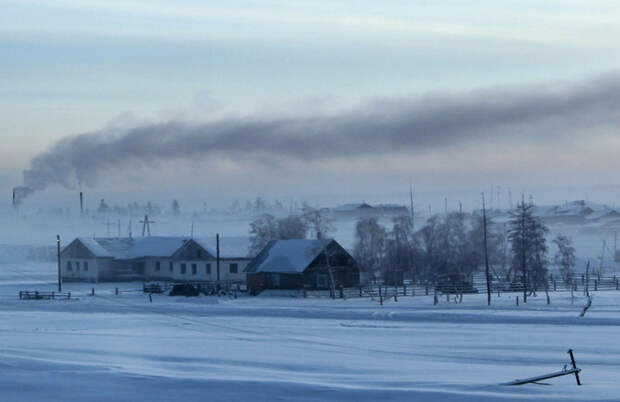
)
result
[(312, 99)]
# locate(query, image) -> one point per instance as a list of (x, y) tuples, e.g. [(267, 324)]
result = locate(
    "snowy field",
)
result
[(123, 348)]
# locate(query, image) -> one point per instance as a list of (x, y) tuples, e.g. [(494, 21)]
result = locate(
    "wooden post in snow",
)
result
[(486, 251), (572, 360)]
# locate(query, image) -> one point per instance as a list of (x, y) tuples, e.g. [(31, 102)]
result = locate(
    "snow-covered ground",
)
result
[(124, 348)]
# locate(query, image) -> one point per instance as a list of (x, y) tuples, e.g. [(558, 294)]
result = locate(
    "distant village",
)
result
[(296, 252)]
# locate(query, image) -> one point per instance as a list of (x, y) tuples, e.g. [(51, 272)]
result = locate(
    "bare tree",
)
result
[(400, 250), (176, 208), (565, 257), (292, 227), (317, 221), (262, 230), (369, 247)]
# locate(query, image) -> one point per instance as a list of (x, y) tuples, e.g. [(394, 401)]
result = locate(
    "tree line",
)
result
[(445, 252)]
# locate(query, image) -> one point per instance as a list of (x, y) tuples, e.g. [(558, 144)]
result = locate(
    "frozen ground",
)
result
[(124, 348)]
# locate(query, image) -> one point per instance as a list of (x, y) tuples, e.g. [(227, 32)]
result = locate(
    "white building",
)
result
[(155, 258)]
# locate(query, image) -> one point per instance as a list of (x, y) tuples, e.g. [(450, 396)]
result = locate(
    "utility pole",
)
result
[(217, 255), (486, 251), (58, 255), (146, 226), (411, 201), (523, 257)]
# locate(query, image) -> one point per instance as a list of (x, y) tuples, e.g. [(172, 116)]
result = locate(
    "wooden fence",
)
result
[(381, 291)]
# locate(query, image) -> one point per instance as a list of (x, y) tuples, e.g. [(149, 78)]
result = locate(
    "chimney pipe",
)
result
[(13, 197), (81, 204)]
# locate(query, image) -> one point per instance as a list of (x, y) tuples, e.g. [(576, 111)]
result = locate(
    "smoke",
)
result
[(380, 127), (21, 192)]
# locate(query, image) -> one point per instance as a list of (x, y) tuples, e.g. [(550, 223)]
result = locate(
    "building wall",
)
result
[(203, 273), (79, 269), (157, 269)]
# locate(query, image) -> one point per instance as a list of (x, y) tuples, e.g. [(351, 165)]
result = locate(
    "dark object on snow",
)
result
[(564, 371), (186, 290), (586, 307), (36, 295), (152, 288)]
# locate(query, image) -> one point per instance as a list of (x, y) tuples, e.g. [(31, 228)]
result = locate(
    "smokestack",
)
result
[(13, 197), (81, 204)]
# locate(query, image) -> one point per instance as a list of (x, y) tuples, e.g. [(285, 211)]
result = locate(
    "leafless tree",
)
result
[(317, 221), (292, 227), (369, 246), (565, 257), (262, 230)]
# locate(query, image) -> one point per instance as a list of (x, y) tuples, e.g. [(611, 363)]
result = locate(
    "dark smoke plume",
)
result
[(382, 127)]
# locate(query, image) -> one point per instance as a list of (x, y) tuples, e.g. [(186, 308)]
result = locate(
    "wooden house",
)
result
[(301, 263)]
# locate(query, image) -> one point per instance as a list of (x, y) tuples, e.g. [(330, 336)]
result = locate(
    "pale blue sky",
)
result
[(73, 66)]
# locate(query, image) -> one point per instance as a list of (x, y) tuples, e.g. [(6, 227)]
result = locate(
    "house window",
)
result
[(157, 265), (170, 267), (233, 268), (183, 268), (194, 269), (208, 269), (69, 267), (275, 280), (85, 265)]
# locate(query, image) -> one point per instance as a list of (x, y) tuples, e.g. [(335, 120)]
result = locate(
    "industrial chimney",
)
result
[(81, 204)]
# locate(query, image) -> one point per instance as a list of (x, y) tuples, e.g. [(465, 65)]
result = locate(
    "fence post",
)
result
[(435, 301), (381, 298), (555, 287), (595, 284), (616, 282), (92, 292), (395, 294), (20, 295), (404, 290), (517, 301), (426, 288), (341, 293), (116, 291)]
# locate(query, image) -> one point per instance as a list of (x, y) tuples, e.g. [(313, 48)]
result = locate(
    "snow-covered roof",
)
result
[(287, 256), (94, 247), (132, 247), (230, 246)]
